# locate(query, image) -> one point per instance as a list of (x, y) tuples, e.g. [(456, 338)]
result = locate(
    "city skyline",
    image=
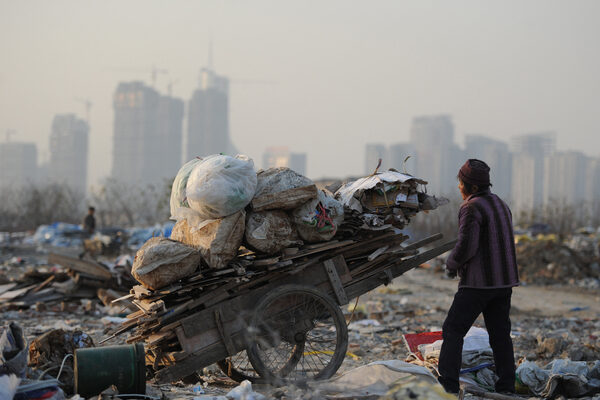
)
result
[(319, 78)]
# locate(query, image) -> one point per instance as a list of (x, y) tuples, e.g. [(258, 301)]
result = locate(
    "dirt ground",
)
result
[(414, 302)]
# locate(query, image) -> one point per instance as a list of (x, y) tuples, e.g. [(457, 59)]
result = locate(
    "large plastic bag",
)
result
[(161, 261), (180, 207), (221, 185), (270, 231), (283, 189), (318, 220), (218, 240)]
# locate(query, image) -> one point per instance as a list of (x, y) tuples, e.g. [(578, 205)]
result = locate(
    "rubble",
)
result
[(63, 278), (549, 262)]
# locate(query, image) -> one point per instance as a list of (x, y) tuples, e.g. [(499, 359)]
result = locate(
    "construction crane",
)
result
[(170, 86), (154, 71), (88, 107)]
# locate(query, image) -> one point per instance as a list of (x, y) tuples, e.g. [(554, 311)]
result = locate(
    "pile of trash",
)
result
[(551, 262), (105, 241), (65, 279), (223, 208)]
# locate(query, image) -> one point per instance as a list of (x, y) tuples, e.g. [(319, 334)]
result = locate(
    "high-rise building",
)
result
[(565, 178), (298, 162), (592, 187), (530, 151), (374, 152), (170, 133), (438, 158), (147, 134), (497, 156), (208, 117), (281, 156), (69, 151), (18, 164), (398, 154)]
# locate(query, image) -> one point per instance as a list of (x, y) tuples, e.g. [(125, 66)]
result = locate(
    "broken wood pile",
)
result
[(77, 279), (200, 320)]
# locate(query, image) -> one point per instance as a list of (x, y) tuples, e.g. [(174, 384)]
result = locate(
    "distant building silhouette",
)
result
[(170, 133), (18, 164), (592, 187), (208, 117), (565, 178), (69, 151), (438, 158), (147, 134), (497, 155), (373, 152), (529, 153), (282, 157)]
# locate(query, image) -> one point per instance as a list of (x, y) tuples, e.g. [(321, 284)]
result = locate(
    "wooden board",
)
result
[(85, 266)]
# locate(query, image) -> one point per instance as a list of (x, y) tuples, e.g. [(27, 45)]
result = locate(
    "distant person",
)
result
[(89, 222), (484, 259)]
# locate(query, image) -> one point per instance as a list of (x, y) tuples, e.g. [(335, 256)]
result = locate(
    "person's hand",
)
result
[(450, 273)]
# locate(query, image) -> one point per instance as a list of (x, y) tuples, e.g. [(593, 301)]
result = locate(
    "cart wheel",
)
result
[(297, 333), (239, 368)]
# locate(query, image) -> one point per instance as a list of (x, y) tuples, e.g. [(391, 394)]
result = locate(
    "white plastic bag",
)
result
[(318, 220), (221, 185), (180, 208)]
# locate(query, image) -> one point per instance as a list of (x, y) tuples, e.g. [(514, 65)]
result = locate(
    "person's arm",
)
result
[(469, 221)]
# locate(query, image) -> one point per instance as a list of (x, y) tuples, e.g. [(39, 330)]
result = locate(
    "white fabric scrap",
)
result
[(375, 378)]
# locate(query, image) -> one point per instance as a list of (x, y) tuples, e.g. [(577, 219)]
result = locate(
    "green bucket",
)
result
[(96, 368)]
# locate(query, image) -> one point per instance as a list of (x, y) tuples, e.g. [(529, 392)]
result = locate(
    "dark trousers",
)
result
[(467, 305)]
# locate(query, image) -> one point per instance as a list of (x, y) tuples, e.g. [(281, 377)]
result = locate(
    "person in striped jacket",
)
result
[(484, 259)]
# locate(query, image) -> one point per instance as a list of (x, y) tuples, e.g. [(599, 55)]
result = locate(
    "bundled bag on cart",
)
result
[(270, 231), (218, 240), (161, 261), (318, 220), (215, 187), (282, 189)]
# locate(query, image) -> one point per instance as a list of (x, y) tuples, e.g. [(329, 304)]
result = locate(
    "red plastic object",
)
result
[(413, 340)]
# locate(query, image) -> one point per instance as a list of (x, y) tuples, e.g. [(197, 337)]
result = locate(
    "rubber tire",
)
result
[(338, 319)]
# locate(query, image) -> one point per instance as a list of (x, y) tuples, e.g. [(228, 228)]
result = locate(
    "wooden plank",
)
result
[(334, 279), (197, 361), (78, 265), (359, 287), (304, 253), (43, 284), (423, 242)]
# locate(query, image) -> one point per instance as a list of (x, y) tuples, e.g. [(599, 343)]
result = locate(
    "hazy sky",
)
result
[(346, 72)]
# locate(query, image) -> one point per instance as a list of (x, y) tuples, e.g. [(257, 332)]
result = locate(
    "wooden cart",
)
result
[(285, 325)]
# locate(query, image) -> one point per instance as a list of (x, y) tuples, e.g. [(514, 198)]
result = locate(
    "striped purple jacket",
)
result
[(484, 255)]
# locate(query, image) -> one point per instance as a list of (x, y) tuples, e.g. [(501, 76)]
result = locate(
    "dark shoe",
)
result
[(448, 389)]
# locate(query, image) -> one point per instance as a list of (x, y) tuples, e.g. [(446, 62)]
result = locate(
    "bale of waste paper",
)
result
[(318, 220), (218, 241), (282, 189), (161, 261), (220, 185), (270, 231)]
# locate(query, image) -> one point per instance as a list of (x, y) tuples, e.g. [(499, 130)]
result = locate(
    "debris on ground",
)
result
[(550, 262)]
